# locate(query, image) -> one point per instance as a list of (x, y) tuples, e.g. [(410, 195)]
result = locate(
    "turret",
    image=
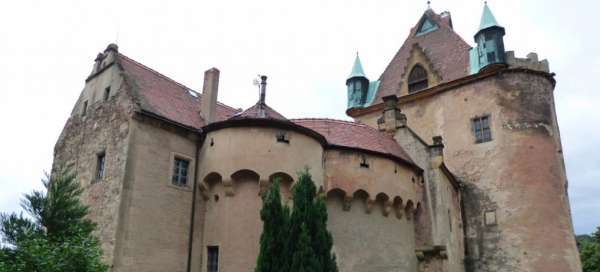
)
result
[(358, 85), (490, 43)]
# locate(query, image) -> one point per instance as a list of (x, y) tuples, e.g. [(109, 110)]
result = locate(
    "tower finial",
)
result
[(428, 4)]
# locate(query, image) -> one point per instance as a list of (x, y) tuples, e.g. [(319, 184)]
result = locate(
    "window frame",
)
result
[(212, 264), (100, 172), (190, 171), (84, 108), (479, 125), (106, 93), (416, 84)]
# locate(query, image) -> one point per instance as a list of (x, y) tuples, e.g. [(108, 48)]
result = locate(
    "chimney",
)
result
[(261, 100), (210, 90), (392, 118)]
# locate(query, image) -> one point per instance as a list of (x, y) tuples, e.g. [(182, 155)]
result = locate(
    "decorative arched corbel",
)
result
[(387, 207), (228, 187), (347, 205), (370, 204)]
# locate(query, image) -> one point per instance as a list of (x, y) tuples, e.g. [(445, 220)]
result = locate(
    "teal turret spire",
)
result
[(487, 18), (358, 85), (490, 43), (357, 69)]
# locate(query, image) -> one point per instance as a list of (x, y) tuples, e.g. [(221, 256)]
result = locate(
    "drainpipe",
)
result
[(193, 212)]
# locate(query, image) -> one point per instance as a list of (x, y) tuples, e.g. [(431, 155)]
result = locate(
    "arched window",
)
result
[(417, 79)]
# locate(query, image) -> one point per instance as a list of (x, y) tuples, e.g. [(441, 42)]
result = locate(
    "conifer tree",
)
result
[(302, 236), (275, 219), (56, 237), (310, 210)]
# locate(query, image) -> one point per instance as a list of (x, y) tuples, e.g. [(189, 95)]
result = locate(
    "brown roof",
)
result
[(355, 135), (167, 98), (445, 49), (253, 112)]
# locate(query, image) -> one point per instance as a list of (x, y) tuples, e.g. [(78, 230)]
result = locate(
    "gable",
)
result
[(447, 52), (426, 26)]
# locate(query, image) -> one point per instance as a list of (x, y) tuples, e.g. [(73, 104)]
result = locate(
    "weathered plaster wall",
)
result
[(518, 176), (104, 128), (370, 241), (157, 213), (382, 177), (235, 165)]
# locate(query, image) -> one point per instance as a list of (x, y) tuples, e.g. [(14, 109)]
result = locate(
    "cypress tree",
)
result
[(298, 242), (311, 211), (275, 219)]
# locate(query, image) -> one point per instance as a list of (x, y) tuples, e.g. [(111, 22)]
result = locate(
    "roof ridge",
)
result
[(354, 123), (143, 66)]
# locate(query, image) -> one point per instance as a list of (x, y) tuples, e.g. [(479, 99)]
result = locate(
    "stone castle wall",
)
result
[(516, 206)]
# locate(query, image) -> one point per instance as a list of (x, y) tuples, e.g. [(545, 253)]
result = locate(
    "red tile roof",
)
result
[(167, 98), (355, 135), (252, 112), (445, 49)]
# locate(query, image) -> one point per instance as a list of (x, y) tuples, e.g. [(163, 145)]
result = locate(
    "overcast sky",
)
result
[(306, 48)]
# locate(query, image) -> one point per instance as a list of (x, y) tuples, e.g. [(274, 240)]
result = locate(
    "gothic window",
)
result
[(212, 259), (100, 161), (417, 79), (180, 172), (481, 129)]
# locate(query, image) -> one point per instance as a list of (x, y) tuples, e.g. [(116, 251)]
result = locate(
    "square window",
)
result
[(180, 172), (100, 161), (212, 256), (282, 137), (481, 129), (107, 93)]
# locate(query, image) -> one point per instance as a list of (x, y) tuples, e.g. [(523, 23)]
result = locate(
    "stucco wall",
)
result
[(235, 165), (157, 213), (519, 175), (370, 241)]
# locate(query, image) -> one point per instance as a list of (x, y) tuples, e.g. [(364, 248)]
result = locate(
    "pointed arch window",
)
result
[(417, 79)]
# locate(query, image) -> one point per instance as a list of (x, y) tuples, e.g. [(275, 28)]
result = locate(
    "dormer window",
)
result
[(426, 26), (417, 79)]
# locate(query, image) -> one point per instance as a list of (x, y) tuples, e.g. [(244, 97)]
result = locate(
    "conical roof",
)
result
[(487, 18), (357, 69)]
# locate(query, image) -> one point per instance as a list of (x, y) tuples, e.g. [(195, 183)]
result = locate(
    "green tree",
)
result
[(56, 237), (310, 210), (296, 242), (590, 253), (273, 243)]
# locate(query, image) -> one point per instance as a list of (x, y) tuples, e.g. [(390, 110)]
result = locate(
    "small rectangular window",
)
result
[(491, 56), (212, 262), (481, 129), (100, 161), (106, 93), (180, 172), (84, 110)]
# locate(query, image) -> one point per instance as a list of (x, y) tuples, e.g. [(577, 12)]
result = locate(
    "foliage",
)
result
[(272, 240), (303, 236), (56, 236), (590, 252)]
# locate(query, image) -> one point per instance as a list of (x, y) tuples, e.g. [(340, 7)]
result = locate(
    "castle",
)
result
[(453, 163)]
